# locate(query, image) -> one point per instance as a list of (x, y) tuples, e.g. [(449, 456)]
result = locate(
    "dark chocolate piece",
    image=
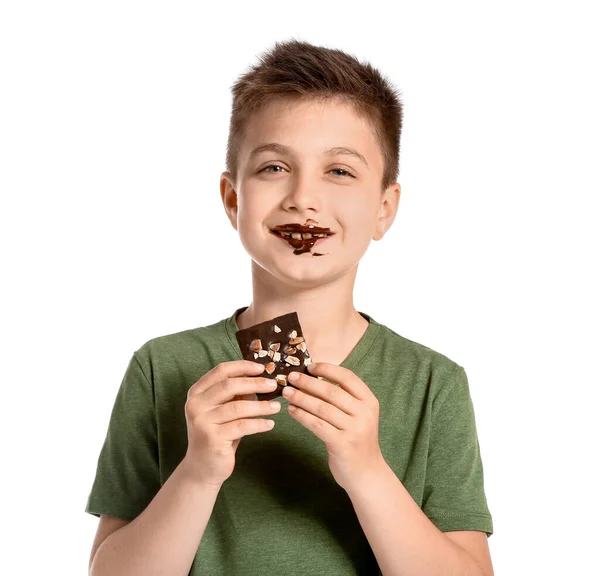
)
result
[(279, 345)]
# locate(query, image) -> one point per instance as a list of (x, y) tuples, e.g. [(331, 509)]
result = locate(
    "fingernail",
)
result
[(275, 405), (271, 383), (293, 376)]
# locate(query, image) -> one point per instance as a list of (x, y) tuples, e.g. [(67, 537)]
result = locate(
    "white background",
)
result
[(113, 125)]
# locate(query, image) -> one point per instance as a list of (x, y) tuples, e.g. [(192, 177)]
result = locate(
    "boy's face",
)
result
[(278, 187)]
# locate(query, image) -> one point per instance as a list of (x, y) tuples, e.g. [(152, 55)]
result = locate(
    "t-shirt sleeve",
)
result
[(127, 474), (454, 496)]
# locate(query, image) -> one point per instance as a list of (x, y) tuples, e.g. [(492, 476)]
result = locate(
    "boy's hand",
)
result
[(345, 417), (218, 412)]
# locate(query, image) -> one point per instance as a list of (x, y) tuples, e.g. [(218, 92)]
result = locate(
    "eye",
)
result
[(345, 173), (266, 168)]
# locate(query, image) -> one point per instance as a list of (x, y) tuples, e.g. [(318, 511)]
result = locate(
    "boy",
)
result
[(374, 466)]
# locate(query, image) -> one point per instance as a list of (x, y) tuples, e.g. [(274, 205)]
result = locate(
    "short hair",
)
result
[(297, 70)]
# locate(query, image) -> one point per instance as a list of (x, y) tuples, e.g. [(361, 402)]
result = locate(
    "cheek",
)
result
[(247, 228), (250, 214), (362, 218)]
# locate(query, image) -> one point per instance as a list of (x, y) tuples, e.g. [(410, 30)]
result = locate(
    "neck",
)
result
[(326, 312)]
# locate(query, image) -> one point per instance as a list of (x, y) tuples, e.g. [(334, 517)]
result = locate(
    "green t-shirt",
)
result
[(281, 511)]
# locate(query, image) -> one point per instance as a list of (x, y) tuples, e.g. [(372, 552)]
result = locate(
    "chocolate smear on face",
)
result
[(301, 245)]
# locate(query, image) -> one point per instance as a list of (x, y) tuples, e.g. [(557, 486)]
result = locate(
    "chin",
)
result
[(299, 271)]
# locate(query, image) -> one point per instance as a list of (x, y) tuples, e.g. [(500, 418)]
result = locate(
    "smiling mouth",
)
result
[(302, 238)]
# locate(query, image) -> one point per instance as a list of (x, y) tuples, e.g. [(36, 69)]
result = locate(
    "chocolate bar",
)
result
[(279, 345)]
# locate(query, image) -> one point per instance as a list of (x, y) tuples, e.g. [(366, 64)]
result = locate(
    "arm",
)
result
[(164, 538), (404, 541), (403, 538)]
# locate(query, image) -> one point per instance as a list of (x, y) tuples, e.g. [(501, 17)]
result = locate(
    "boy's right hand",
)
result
[(218, 412)]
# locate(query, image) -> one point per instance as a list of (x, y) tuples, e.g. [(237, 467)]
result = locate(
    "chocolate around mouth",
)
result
[(301, 245)]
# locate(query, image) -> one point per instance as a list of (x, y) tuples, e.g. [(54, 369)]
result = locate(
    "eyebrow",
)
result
[(284, 150)]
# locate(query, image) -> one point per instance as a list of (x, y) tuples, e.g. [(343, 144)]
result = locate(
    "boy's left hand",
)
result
[(344, 417)]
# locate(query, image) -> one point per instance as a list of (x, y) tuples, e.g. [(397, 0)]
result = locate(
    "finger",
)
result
[(226, 370), (238, 409), (321, 429), (319, 408), (331, 393), (347, 379), (226, 390), (245, 427), (246, 397)]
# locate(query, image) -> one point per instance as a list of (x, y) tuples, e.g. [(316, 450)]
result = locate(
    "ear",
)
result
[(387, 210), (229, 198)]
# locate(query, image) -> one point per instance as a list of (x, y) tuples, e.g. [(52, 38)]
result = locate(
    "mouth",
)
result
[(302, 238)]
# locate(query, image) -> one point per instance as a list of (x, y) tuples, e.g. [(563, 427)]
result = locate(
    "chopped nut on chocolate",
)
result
[(275, 346), (302, 347), (293, 360), (271, 354), (276, 328), (290, 350), (276, 356), (281, 379), (255, 355), (270, 367), (308, 361), (255, 345), (295, 340), (293, 334), (262, 353)]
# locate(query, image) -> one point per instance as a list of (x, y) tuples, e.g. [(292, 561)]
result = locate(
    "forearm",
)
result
[(404, 541), (164, 538)]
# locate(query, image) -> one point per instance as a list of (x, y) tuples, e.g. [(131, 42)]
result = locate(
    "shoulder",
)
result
[(417, 365), (415, 353), (192, 342), (171, 363)]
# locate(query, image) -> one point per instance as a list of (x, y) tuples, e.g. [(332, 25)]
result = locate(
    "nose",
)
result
[(302, 195)]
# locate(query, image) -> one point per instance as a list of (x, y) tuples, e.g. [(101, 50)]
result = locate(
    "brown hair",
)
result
[(298, 70)]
